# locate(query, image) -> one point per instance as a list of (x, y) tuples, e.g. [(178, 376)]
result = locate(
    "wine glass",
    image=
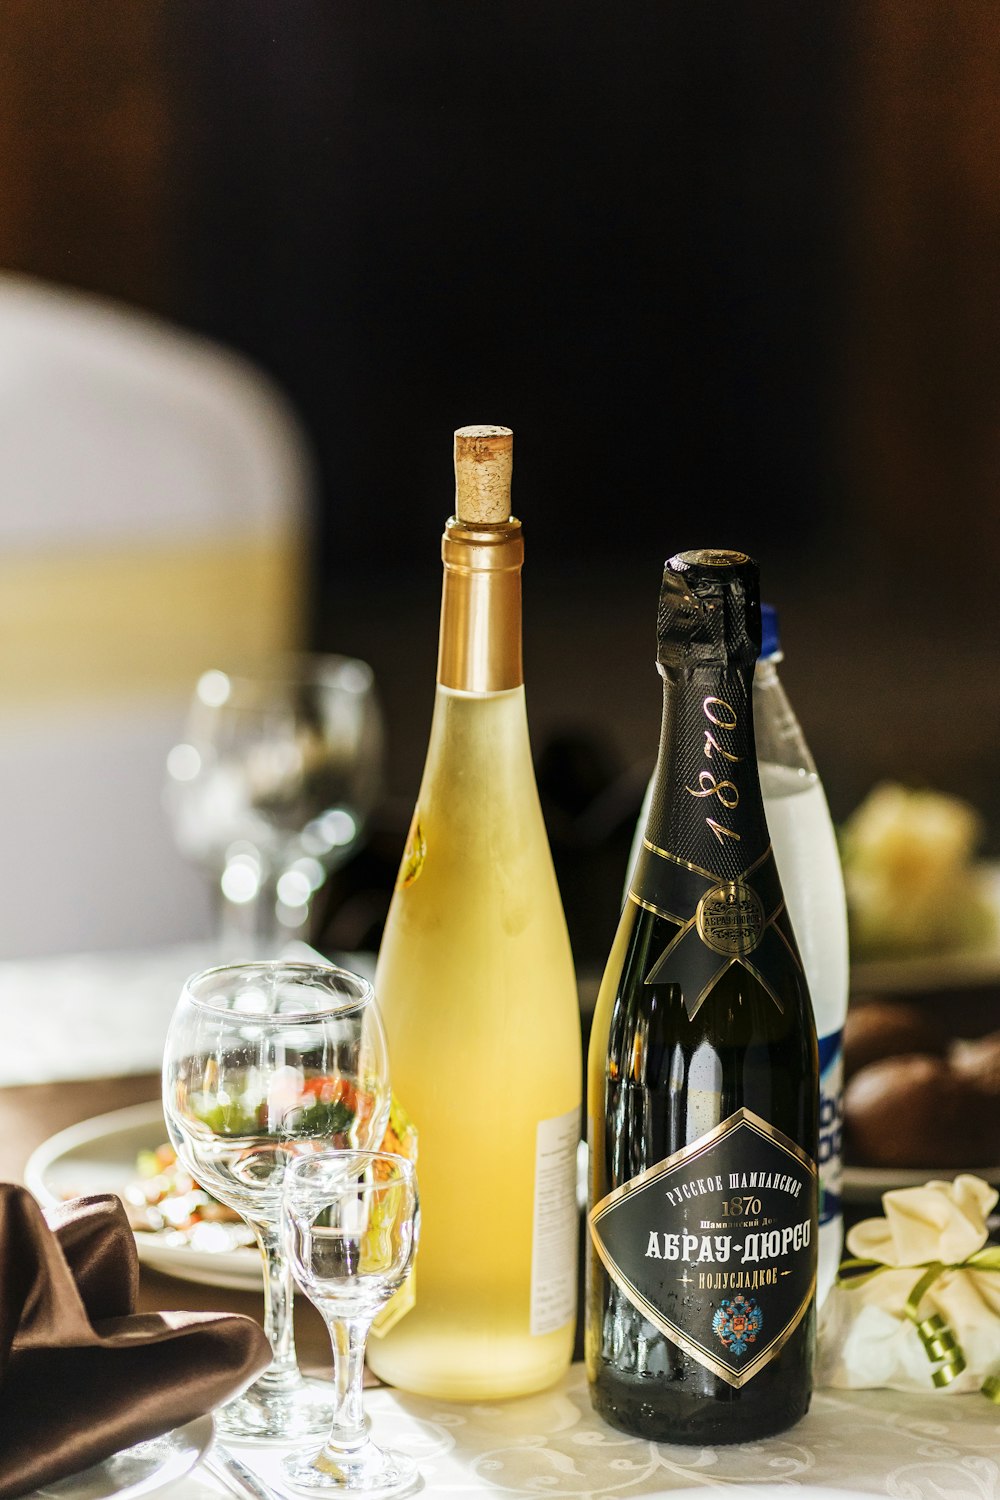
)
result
[(271, 789), (350, 1224), (263, 1063)]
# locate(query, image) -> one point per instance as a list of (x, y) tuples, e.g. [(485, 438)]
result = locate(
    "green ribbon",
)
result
[(939, 1342)]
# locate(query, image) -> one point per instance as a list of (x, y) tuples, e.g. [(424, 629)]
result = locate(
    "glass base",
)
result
[(367, 1470), (265, 1414)]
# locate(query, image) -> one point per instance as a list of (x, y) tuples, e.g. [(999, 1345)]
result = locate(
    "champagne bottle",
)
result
[(805, 849), (476, 985), (703, 1070)]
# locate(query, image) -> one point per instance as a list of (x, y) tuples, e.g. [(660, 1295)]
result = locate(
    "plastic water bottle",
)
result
[(805, 850)]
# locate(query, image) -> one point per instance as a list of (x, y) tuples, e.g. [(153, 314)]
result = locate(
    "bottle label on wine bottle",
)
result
[(720, 922), (716, 1245), (555, 1225), (831, 1119)]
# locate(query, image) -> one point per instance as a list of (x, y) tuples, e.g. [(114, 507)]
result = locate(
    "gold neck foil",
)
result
[(480, 644)]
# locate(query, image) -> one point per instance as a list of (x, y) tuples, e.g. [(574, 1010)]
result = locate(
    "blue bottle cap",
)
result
[(770, 640)]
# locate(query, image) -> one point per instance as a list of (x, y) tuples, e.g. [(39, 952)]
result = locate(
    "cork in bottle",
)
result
[(482, 550), (484, 459)]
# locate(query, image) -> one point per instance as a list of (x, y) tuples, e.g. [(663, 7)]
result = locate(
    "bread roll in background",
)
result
[(980, 1061), (890, 1028), (919, 1111)]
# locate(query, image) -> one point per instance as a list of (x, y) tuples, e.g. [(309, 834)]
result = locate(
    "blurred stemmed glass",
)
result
[(265, 1063), (271, 788), (351, 1224)]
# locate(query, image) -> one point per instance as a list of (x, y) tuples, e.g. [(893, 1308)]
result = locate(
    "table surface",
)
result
[(877, 1442), (870, 1442), (867, 1442)]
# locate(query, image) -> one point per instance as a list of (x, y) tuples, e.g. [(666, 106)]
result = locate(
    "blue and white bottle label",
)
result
[(831, 1099)]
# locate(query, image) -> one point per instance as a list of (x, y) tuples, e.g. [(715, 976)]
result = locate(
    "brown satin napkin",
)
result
[(81, 1374)]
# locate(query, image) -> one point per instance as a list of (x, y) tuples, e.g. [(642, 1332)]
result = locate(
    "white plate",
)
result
[(138, 1470), (99, 1156), (867, 1184)]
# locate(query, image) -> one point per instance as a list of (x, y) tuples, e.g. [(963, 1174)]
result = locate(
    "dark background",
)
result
[(728, 271), (617, 230)]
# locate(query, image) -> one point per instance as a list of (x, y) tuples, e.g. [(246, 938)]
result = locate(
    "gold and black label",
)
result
[(718, 922), (706, 864), (730, 918), (715, 559), (716, 1245)]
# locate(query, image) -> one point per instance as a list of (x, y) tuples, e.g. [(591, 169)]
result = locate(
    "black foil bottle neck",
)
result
[(706, 865), (709, 611), (706, 809)]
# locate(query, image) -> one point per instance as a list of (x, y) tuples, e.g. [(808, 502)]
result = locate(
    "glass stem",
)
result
[(250, 930), (283, 1371), (233, 940), (349, 1429)]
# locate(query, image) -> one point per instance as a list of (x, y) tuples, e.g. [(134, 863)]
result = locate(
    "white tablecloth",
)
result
[(102, 1015), (91, 1015), (934, 1447)]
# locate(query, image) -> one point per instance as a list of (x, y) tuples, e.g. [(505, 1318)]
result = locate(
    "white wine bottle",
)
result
[(703, 1073), (476, 985)]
